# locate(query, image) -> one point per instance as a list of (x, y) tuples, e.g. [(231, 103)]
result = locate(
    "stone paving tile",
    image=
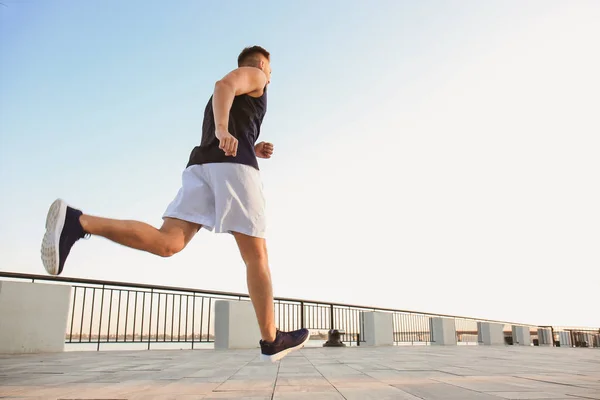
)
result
[(164, 397), (212, 373), (351, 380), (305, 373), (247, 384), (374, 391), (306, 392), (305, 396), (461, 371), (565, 379), (306, 389), (309, 381), (584, 394), (491, 383), (529, 395), (444, 391), (409, 373), (240, 395)]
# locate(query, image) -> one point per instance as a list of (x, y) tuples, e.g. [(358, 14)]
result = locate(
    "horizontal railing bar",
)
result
[(145, 342)]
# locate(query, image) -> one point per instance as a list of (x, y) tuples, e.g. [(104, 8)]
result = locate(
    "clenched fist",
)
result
[(263, 150), (227, 142)]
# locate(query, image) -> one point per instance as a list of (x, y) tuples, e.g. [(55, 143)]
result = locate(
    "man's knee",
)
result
[(253, 250), (256, 259), (170, 247), (175, 235)]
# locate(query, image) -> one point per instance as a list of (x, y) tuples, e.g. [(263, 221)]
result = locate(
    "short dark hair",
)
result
[(248, 56)]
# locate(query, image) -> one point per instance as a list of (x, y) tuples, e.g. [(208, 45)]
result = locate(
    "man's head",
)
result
[(257, 57)]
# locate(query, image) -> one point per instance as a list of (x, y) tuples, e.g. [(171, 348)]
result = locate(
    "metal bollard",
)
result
[(333, 339)]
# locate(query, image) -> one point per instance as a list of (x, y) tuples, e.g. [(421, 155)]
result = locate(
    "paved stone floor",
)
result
[(454, 373)]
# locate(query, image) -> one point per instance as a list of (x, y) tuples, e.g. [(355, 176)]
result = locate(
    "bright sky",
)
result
[(436, 156)]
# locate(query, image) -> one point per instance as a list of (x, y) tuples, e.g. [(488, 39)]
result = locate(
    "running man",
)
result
[(221, 191)]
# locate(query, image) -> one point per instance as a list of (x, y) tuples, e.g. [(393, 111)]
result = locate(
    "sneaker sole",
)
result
[(55, 221), (281, 354)]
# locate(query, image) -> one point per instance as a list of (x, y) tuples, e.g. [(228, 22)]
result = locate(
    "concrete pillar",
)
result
[(565, 339), (596, 338), (545, 337), (587, 339), (236, 326), (33, 317), (378, 328), (443, 331), (521, 335), (490, 334)]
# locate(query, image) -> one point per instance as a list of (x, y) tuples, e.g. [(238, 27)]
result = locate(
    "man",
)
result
[(221, 191)]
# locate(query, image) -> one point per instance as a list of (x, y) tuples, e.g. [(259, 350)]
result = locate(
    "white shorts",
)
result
[(224, 197)]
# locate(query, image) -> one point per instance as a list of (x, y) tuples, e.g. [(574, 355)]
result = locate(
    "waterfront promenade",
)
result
[(398, 372)]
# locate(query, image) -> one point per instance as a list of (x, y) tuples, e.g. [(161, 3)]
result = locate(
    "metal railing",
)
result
[(466, 331), (412, 328), (576, 337), (106, 312)]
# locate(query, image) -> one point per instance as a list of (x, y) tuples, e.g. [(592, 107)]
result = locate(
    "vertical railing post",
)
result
[(150, 322), (331, 319), (208, 327), (100, 323), (73, 314), (302, 324), (193, 318), (82, 313)]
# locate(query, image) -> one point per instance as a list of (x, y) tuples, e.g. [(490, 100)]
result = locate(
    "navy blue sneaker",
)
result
[(63, 229), (285, 343)]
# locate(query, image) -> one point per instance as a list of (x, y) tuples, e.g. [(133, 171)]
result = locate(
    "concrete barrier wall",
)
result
[(521, 335), (564, 339), (490, 334), (236, 326), (443, 331), (378, 328), (545, 337), (33, 317)]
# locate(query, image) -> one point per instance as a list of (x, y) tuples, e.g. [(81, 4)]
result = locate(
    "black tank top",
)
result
[(245, 118)]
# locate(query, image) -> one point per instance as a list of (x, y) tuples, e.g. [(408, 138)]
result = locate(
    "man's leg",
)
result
[(65, 225), (171, 238), (258, 276), (274, 344), (240, 208)]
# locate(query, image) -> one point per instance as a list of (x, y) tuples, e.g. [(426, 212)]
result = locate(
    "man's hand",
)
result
[(227, 142), (263, 150)]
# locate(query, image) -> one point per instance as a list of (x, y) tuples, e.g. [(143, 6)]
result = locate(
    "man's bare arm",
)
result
[(239, 81)]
